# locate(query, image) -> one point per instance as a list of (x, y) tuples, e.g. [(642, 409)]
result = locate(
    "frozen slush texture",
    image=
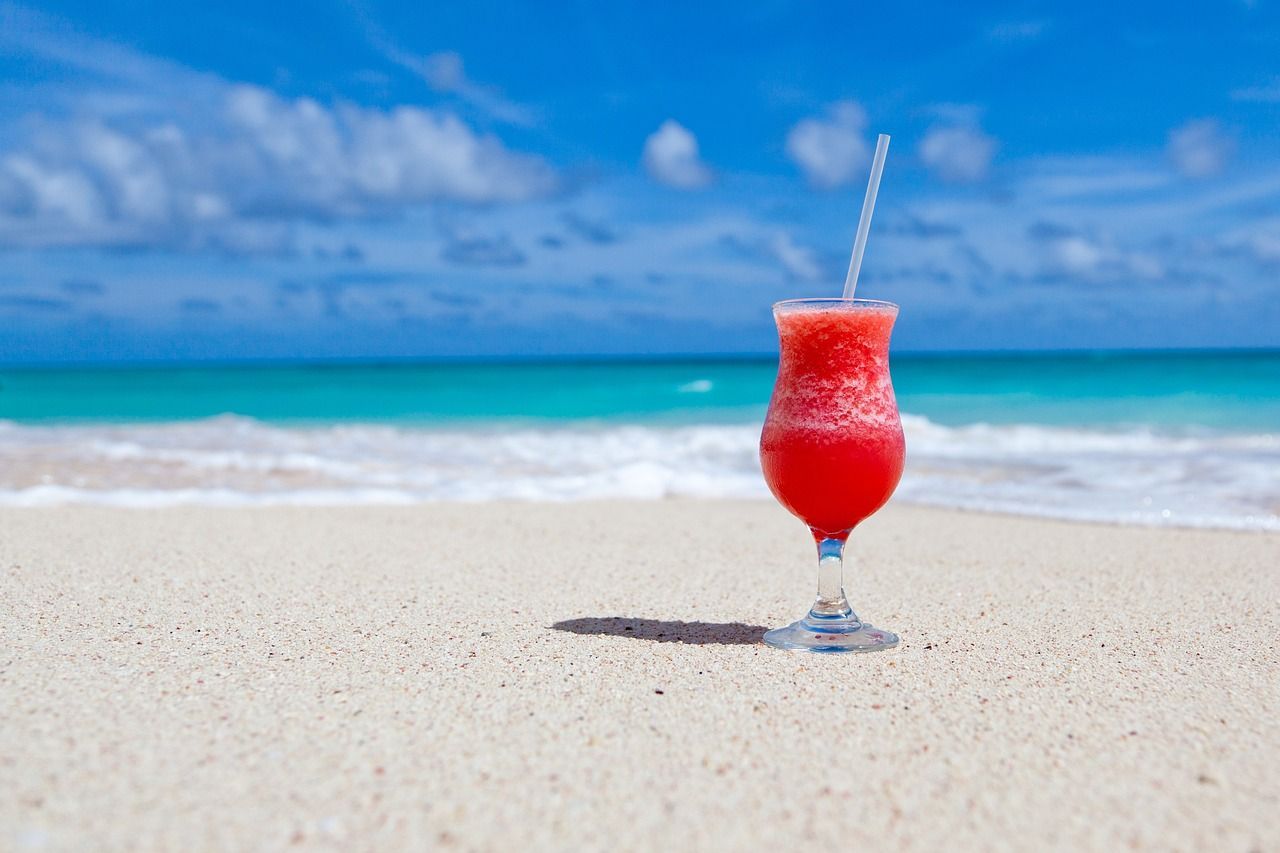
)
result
[(832, 447)]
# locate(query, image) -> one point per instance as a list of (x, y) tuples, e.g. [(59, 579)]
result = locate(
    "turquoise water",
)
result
[(1238, 391), (1150, 438)]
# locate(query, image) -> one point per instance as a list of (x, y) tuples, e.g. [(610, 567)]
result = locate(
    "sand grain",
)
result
[(385, 678)]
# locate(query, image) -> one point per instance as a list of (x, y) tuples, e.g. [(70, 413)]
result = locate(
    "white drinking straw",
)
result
[(864, 223)]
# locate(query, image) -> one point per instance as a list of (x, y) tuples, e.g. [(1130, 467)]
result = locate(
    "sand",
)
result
[(589, 677)]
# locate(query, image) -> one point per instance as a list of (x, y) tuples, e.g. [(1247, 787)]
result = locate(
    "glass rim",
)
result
[(856, 302)]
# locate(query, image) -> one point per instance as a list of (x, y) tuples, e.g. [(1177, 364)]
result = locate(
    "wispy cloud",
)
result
[(831, 150), (801, 262), (1128, 233), (1266, 93), (1067, 252), (798, 261), (1017, 31), (33, 302), (1259, 241), (1094, 178), (470, 247), (911, 224), (591, 230), (1200, 148), (445, 73), (391, 210), (111, 79), (958, 150), (671, 157), (145, 152), (951, 113)]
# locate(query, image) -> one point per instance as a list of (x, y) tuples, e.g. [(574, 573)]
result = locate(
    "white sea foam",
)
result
[(1130, 476)]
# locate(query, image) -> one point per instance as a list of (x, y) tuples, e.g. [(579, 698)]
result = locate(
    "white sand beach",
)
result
[(589, 676)]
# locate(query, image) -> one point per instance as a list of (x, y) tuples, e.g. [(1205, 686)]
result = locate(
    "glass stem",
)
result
[(831, 602)]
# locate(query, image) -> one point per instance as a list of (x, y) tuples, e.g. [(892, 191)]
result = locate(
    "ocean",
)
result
[(1180, 438)]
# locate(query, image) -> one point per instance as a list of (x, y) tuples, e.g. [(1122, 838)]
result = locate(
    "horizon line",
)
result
[(601, 358)]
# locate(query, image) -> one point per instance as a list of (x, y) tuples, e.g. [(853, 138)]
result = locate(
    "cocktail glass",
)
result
[(832, 449)]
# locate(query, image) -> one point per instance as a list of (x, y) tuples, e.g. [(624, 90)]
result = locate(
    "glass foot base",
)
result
[(831, 635)]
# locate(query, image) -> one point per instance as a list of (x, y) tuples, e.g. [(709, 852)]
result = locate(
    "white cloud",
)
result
[(671, 157), (1258, 240), (146, 152), (831, 150), (1200, 148), (236, 176), (364, 157), (799, 261), (1084, 257), (760, 241), (1111, 224), (959, 153), (1267, 93)]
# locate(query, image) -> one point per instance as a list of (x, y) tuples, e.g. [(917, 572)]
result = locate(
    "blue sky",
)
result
[(487, 179)]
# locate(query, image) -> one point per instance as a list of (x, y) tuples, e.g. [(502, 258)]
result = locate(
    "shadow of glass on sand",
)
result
[(663, 631)]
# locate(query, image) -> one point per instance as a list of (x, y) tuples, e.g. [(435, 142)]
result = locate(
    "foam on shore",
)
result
[(1137, 475)]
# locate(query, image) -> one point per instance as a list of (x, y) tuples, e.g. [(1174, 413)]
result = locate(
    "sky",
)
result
[(499, 179)]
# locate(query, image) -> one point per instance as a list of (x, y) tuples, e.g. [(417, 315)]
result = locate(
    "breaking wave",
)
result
[(1136, 475)]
